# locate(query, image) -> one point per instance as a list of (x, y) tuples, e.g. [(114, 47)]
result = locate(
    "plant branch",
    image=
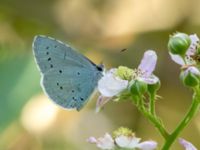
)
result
[(190, 114)]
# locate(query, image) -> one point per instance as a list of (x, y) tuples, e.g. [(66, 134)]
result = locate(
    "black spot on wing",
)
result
[(74, 98)]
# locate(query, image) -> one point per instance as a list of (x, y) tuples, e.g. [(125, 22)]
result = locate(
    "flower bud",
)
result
[(138, 87), (153, 88), (179, 43), (189, 79)]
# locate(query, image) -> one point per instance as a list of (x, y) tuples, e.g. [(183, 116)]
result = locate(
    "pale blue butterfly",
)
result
[(68, 77)]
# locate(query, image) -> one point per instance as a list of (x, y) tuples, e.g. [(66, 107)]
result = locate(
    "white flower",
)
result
[(190, 51), (113, 83), (132, 142), (127, 141), (146, 68), (110, 85), (187, 145), (104, 143)]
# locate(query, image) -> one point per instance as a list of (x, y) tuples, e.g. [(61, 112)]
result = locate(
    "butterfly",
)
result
[(67, 77)]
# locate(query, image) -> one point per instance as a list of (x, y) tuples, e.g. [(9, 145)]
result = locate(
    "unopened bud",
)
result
[(152, 88), (179, 43), (138, 88), (189, 79)]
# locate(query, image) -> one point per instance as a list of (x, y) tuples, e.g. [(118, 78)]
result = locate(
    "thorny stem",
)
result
[(157, 123)]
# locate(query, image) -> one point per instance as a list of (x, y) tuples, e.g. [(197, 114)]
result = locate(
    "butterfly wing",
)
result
[(68, 77)]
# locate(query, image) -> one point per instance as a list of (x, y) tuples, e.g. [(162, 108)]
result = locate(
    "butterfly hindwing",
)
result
[(68, 77), (71, 88)]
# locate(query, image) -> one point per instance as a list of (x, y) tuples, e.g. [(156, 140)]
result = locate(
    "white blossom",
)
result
[(123, 141), (110, 84), (130, 142), (104, 143)]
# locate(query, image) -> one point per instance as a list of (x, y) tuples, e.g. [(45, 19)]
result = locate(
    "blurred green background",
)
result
[(99, 29)]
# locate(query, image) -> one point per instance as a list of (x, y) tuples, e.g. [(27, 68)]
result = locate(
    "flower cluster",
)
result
[(117, 81), (187, 55), (123, 138), (140, 85)]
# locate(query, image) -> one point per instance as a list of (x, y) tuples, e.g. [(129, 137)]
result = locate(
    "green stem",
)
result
[(193, 109), (152, 104), (156, 123)]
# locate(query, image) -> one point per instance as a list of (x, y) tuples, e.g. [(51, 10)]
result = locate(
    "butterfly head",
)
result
[(100, 67)]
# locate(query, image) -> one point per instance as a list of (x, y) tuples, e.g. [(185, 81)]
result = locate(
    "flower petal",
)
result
[(134, 142), (127, 142), (92, 140), (101, 102), (105, 142), (110, 85), (187, 145), (148, 62), (193, 70), (148, 145), (194, 42), (177, 59), (152, 79)]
